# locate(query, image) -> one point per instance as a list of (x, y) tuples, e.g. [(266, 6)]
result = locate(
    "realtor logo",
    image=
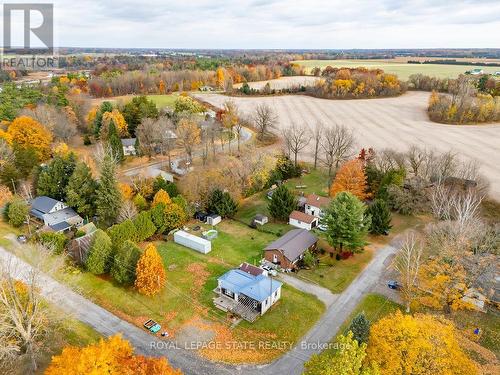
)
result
[(44, 31), (28, 29)]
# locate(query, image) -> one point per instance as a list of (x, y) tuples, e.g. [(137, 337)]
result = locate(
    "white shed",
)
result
[(213, 219), (193, 242)]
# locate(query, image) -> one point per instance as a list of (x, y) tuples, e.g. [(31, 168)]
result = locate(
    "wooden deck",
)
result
[(230, 305)]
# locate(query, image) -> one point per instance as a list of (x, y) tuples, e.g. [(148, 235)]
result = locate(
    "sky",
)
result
[(275, 24)]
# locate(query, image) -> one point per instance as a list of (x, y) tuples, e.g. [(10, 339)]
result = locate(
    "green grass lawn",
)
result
[(401, 69), (163, 101)]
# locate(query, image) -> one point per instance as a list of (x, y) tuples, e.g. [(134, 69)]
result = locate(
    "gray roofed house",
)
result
[(287, 250), (128, 145), (55, 214)]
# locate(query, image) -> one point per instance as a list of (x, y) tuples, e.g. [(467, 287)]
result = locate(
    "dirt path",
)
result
[(391, 122)]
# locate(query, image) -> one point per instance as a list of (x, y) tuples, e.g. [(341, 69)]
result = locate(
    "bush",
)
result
[(309, 259), (125, 263), (144, 226), (17, 212), (86, 140), (55, 241), (119, 233)]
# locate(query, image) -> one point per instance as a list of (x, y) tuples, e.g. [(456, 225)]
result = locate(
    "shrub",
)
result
[(144, 226), (55, 241), (119, 233), (17, 212)]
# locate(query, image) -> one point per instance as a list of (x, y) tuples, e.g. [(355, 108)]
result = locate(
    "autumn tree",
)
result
[(347, 223), (186, 105), (99, 257), (28, 133), (116, 118), (128, 211), (156, 136), (421, 344), (5, 195), (108, 200), (265, 120), (150, 272), (348, 359), (161, 197), (230, 118), (350, 178), (188, 136), (219, 77), (81, 191), (109, 356), (337, 146)]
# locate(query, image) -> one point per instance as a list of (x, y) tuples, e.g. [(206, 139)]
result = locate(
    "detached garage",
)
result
[(193, 242)]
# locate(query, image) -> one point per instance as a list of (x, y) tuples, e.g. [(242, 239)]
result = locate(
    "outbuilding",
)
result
[(191, 241), (302, 220)]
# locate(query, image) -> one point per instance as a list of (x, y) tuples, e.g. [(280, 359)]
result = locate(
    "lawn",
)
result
[(401, 69), (185, 308), (163, 101)]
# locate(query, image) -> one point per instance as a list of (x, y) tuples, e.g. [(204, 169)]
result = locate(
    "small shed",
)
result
[(213, 219), (260, 219), (193, 242)]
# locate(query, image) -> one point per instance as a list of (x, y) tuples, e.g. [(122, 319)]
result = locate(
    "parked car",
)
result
[(269, 270), (152, 326), (322, 227), (392, 284), (22, 238)]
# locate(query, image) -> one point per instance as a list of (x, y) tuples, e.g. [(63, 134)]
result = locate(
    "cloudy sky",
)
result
[(336, 24)]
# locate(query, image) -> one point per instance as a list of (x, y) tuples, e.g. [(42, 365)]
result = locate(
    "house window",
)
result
[(275, 258)]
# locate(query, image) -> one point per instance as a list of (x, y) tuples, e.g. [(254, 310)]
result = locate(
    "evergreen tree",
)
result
[(25, 160), (125, 263), (360, 328), (81, 191), (282, 203), (347, 223), (105, 107), (53, 179), (221, 203), (98, 259), (144, 226), (108, 201), (119, 233), (159, 183), (380, 217), (114, 142)]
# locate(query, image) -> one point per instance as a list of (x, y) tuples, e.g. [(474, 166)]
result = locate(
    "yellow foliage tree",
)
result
[(91, 118), (114, 356), (61, 149), (150, 273), (28, 133), (161, 197), (5, 195), (161, 87), (219, 79), (423, 345), (443, 284), (350, 177), (126, 191), (118, 119)]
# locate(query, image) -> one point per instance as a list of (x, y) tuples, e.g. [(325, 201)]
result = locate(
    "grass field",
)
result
[(161, 101), (403, 70)]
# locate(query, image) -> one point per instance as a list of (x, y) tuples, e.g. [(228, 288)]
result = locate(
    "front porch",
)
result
[(228, 304)]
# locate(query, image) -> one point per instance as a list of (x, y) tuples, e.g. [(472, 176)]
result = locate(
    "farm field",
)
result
[(402, 69), (381, 123), (281, 83), (161, 101)]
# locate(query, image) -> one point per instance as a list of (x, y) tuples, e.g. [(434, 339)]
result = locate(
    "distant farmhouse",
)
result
[(54, 214), (287, 250), (247, 291)]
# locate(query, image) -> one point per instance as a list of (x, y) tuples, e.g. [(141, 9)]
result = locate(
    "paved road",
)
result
[(291, 363), (323, 294)]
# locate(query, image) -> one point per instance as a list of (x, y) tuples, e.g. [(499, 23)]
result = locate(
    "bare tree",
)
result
[(407, 262), (128, 211), (24, 317), (416, 157), (156, 136), (337, 145), (230, 119), (265, 120), (56, 120), (296, 139), (388, 159), (188, 136), (317, 134)]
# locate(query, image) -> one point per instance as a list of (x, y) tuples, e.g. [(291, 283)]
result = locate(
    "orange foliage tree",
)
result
[(161, 197), (120, 123), (114, 356), (29, 133), (351, 178), (150, 273)]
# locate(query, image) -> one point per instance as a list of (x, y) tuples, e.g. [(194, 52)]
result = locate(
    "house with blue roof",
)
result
[(247, 291), (54, 214)]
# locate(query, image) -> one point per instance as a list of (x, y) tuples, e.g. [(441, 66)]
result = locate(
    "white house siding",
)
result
[(271, 300), (300, 224), (313, 211), (58, 207)]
